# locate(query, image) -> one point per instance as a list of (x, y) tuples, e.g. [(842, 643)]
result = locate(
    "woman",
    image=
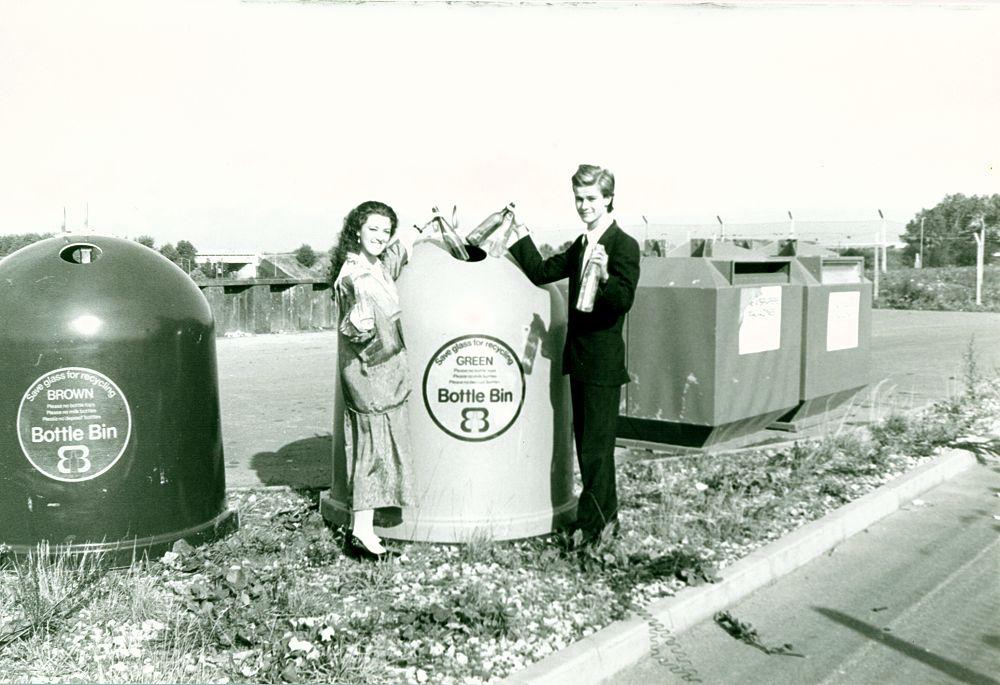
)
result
[(373, 369)]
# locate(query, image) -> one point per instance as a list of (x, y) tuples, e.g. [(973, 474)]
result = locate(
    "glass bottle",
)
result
[(502, 236), (450, 237), (480, 233), (588, 287)]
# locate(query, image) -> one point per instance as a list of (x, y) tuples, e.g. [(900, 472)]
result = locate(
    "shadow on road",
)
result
[(947, 666), (303, 464)]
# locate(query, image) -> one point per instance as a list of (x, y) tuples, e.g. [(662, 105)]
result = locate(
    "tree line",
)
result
[(947, 229), (184, 254)]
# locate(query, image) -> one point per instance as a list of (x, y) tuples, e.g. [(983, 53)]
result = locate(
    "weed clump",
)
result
[(940, 289)]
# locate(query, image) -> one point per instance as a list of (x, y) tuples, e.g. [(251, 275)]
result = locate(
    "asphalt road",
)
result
[(919, 354), (277, 408), (913, 599)]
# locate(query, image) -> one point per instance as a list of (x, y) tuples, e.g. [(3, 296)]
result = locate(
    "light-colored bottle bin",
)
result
[(490, 410), (836, 330), (109, 409)]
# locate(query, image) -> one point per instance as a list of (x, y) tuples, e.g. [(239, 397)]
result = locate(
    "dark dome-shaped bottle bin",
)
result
[(489, 413), (109, 411)]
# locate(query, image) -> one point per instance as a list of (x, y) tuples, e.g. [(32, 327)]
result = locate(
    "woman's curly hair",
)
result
[(350, 236)]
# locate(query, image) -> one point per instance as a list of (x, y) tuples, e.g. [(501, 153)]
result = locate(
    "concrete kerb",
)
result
[(600, 656)]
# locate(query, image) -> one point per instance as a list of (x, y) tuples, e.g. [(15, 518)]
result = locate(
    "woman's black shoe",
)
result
[(355, 549)]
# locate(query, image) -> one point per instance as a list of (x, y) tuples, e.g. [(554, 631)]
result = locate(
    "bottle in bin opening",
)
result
[(450, 237), (588, 287), (480, 233), (502, 235)]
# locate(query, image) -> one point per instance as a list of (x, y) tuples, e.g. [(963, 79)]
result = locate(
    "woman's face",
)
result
[(590, 204), (375, 233)]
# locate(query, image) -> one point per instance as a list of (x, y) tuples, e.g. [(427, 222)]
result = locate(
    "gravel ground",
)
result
[(277, 412)]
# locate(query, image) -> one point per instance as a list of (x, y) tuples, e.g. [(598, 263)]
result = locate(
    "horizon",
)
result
[(674, 234), (262, 124)]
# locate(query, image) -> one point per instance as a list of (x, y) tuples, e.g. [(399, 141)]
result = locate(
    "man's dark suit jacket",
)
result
[(595, 349)]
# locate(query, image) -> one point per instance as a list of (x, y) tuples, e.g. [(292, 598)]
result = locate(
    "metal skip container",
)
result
[(490, 411), (109, 413), (713, 348), (836, 327)]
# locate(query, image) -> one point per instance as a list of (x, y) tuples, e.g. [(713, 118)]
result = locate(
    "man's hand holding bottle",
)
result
[(520, 230), (600, 258)]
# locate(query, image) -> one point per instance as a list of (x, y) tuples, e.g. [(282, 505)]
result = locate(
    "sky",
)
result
[(256, 126)]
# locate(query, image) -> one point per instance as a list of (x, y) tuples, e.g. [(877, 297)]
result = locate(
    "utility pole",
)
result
[(885, 250), (921, 265), (980, 257), (791, 225), (722, 227), (645, 231), (875, 274)]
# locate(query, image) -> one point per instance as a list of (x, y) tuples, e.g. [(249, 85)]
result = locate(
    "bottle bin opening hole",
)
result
[(80, 253)]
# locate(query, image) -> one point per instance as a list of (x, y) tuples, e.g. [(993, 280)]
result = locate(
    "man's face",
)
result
[(375, 233), (590, 204)]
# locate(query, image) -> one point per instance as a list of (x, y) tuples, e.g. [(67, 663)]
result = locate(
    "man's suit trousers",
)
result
[(595, 419)]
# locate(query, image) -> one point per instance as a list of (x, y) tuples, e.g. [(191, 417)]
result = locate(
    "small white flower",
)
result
[(297, 645), (700, 487), (421, 675), (151, 625)]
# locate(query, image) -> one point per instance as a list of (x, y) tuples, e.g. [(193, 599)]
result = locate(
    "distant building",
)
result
[(262, 265), (231, 265), (285, 265)]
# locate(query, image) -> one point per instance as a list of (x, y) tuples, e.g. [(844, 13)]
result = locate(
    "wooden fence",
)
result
[(269, 305)]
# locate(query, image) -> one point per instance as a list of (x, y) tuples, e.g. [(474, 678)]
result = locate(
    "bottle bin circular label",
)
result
[(73, 424), (474, 387)]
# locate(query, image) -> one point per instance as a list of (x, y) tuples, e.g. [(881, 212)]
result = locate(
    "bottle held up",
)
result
[(502, 235), (480, 233)]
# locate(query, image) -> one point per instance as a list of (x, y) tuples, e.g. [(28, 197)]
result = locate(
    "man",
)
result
[(594, 356)]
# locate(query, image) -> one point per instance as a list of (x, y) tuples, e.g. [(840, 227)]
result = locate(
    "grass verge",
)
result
[(278, 601), (951, 288)]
